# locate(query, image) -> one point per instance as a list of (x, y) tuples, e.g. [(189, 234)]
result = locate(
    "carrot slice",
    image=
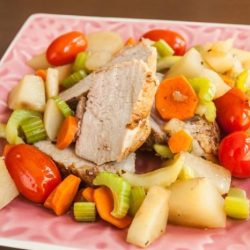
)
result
[(88, 194), (180, 141), (130, 41), (63, 195), (104, 204), (175, 98), (67, 132), (42, 73), (7, 148)]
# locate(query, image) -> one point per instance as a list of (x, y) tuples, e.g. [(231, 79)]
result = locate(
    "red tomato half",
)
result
[(33, 172), (233, 111), (174, 39), (234, 153), (64, 48)]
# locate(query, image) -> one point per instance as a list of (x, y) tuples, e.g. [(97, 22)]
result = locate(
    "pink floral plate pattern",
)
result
[(29, 226)]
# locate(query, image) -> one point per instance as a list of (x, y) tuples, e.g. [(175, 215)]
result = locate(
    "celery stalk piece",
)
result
[(237, 192), (80, 61), (243, 81), (33, 129), (2, 130), (163, 151), (84, 211), (63, 106), (137, 196), (207, 109), (167, 62), (74, 78), (237, 208), (204, 88), (120, 190), (14, 122), (163, 48)]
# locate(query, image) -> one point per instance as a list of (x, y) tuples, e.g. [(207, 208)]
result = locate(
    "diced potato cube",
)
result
[(28, 94), (39, 62), (150, 220), (8, 190), (196, 203), (53, 119), (52, 83)]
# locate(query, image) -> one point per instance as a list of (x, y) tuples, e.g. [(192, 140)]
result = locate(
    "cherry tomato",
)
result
[(234, 153), (174, 39), (33, 172), (64, 48), (233, 111)]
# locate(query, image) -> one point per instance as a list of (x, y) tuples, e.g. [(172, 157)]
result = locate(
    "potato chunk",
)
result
[(8, 190), (197, 203), (150, 220), (28, 94)]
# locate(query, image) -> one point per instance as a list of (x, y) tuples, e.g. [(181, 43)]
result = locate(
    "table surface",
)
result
[(14, 13)]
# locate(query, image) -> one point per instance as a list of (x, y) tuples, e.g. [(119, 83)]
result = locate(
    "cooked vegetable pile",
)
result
[(95, 100)]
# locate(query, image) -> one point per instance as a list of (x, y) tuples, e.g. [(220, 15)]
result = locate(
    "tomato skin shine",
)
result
[(234, 153), (64, 48), (233, 111), (174, 39), (34, 173)]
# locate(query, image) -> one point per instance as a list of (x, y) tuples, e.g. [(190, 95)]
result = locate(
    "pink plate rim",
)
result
[(123, 19)]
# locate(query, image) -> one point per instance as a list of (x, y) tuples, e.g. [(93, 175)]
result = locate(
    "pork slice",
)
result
[(69, 162), (141, 51), (118, 107), (81, 107), (80, 110), (79, 89), (206, 135), (157, 135)]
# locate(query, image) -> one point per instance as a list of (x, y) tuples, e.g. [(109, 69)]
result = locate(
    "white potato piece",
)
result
[(219, 176), (151, 218), (192, 65), (162, 177), (196, 203), (64, 71), (98, 59), (28, 94), (104, 40), (53, 119), (221, 63), (52, 83), (39, 62), (102, 46), (189, 65), (8, 190)]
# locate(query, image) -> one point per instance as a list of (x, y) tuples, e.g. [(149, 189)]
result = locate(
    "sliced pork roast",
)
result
[(206, 135), (141, 51), (157, 135), (115, 122), (69, 162)]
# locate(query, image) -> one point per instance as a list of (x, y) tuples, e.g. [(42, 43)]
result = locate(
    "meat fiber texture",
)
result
[(141, 51), (116, 120), (69, 162)]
